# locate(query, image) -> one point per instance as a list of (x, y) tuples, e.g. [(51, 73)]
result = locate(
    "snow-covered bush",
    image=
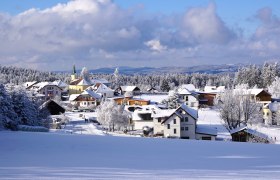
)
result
[(32, 128)]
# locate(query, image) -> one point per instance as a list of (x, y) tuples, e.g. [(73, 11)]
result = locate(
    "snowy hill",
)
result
[(210, 69), (67, 156)]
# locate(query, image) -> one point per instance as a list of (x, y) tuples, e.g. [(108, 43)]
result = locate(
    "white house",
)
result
[(86, 99), (188, 97), (131, 89), (181, 123), (47, 89), (142, 116), (104, 90)]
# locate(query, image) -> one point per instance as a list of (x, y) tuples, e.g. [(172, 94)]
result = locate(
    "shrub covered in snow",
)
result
[(32, 128)]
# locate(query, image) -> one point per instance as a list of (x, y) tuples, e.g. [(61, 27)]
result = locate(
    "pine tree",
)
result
[(9, 118), (165, 86)]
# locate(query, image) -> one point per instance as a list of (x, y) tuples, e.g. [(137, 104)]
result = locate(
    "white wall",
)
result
[(138, 125), (158, 127)]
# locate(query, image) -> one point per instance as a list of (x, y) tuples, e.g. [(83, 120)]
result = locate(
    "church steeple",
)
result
[(74, 69), (74, 73)]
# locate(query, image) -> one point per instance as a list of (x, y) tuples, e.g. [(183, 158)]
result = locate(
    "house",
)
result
[(258, 95), (53, 107), (188, 97), (134, 90), (77, 86), (152, 90), (246, 134), (61, 84), (28, 85), (181, 123), (270, 113), (122, 100), (101, 81), (206, 98), (47, 90), (142, 117), (204, 132), (104, 90), (87, 99)]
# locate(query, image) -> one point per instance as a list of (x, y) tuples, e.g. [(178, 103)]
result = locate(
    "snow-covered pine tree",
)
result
[(164, 85), (85, 74), (26, 110), (269, 73), (8, 118), (274, 88)]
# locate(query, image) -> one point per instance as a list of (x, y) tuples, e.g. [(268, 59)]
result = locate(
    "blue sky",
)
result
[(104, 33)]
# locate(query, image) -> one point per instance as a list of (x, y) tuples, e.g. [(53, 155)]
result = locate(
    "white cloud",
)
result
[(155, 45), (98, 33), (203, 25)]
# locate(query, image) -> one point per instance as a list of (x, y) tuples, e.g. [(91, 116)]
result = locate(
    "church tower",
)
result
[(74, 73)]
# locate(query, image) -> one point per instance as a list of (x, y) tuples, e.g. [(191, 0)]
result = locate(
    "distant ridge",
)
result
[(209, 69)]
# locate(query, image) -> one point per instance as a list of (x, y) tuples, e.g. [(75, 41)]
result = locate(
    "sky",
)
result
[(55, 34)]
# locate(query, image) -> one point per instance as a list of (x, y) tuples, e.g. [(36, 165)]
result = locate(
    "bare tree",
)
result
[(237, 108)]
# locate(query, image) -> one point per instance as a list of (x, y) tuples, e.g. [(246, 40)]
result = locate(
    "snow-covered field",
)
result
[(27, 155)]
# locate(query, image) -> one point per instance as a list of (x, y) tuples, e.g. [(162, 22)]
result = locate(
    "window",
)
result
[(168, 126), (182, 128), (175, 131), (174, 121), (186, 128), (206, 138), (182, 119), (186, 119), (159, 120)]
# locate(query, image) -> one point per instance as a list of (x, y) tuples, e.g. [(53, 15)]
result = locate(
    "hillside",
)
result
[(209, 69), (67, 156)]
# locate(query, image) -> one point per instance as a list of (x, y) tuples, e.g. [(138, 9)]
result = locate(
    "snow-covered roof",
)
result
[(28, 84), (84, 82), (190, 111), (102, 81), (205, 129), (254, 92), (249, 130), (72, 97), (91, 93), (163, 113), (60, 83), (189, 87), (256, 133), (103, 88), (241, 128), (41, 85), (128, 88), (184, 91)]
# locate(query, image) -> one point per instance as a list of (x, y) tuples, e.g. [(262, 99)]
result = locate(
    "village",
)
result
[(185, 112)]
